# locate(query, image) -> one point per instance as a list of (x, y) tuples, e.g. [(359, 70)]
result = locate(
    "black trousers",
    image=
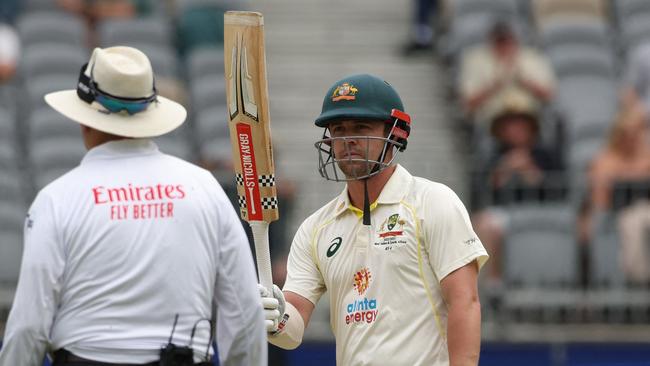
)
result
[(63, 357)]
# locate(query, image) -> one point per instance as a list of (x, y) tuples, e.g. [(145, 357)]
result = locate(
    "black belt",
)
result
[(63, 357)]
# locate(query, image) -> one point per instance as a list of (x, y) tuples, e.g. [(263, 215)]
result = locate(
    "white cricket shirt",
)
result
[(118, 246), (384, 283)]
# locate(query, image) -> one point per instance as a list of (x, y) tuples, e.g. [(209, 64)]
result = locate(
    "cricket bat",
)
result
[(250, 132)]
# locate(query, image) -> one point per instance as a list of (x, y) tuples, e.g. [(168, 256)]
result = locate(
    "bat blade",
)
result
[(250, 132)]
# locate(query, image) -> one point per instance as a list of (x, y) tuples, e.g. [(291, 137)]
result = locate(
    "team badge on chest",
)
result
[(391, 232)]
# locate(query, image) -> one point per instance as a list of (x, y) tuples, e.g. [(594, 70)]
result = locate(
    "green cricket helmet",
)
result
[(361, 97), (365, 96)]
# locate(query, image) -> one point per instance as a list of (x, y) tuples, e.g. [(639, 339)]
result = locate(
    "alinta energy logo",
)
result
[(362, 310)]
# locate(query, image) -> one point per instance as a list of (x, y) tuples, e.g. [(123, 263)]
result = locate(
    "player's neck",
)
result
[(376, 184)]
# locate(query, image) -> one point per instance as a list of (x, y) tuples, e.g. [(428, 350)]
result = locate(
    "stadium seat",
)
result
[(37, 87), (635, 31), (154, 31), (204, 61), (52, 58), (55, 145), (628, 9), (575, 30), (8, 158), (587, 97), (208, 91), (604, 263), (213, 135), (540, 247), (504, 9), (7, 127), (12, 218), (40, 5), (581, 59), (48, 27), (178, 143)]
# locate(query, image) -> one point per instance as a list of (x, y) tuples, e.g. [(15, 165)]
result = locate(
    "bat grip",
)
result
[(262, 253)]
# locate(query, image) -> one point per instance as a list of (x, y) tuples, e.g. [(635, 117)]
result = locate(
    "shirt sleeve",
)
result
[(240, 331), (537, 68), (450, 240), (472, 73), (39, 285), (303, 276)]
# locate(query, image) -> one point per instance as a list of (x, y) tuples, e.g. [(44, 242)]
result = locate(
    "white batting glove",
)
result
[(274, 305)]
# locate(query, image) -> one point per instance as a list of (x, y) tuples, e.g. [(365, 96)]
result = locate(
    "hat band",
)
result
[(89, 92)]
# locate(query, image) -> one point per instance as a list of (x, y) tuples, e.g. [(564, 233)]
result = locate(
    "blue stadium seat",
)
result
[(52, 58), (208, 91), (604, 263), (575, 30), (155, 31), (55, 145), (540, 249), (213, 134), (51, 26), (582, 59), (204, 61)]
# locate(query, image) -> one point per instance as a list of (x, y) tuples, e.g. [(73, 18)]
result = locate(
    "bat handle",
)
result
[(262, 253)]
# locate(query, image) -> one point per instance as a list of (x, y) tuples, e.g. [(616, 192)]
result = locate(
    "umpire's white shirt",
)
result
[(118, 246), (384, 281)]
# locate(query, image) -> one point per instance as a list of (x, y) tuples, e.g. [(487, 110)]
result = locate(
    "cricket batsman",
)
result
[(396, 253)]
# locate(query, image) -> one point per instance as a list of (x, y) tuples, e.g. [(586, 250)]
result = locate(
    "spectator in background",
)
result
[(626, 157), (9, 57), (636, 81), (518, 165), (94, 11), (491, 71), (422, 31), (9, 53)]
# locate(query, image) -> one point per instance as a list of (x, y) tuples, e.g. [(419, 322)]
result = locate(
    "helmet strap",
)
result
[(366, 203)]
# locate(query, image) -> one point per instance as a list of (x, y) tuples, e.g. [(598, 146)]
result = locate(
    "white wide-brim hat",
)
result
[(122, 72)]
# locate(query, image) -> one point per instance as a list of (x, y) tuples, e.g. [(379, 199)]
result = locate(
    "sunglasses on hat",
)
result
[(88, 91)]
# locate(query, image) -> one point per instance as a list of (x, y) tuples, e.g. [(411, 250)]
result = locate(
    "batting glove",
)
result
[(274, 305)]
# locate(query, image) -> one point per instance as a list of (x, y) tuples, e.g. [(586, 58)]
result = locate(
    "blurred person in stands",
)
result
[(9, 58), (626, 157), (95, 11), (421, 29), (518, 170), (9, 53), (491, 71), (636, 79)]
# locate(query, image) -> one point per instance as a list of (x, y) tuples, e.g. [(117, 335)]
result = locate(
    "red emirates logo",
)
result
[(139, 202)]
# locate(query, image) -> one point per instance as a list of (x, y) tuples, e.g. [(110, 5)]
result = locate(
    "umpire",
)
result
[(127, 255)]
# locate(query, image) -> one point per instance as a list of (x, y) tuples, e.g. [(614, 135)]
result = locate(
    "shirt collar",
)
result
[(121, 149), (393, 192)]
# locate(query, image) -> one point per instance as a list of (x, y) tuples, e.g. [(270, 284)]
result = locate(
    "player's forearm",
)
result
[(464, 332)]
